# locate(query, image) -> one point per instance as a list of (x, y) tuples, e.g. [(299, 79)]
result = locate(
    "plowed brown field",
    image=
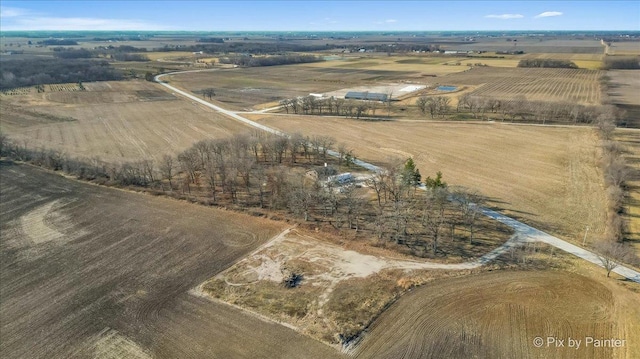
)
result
[(499, 315), (92, 272), (553, 85)]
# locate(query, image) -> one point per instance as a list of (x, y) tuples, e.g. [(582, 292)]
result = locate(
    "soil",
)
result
[(87, 271)]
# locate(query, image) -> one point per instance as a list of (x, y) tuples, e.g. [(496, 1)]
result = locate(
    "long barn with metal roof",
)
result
[(371, 96)]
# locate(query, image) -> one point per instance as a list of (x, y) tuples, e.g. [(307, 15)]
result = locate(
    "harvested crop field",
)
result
[(545, 176), (499, 315), (89, 272), (554, 85), (114, 121), (625, 86), (244, 88)]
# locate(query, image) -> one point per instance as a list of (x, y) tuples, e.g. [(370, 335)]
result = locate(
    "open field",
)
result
[(87, 271), (625, 86), (625, 48), (533, 45), (498, 315), (630, 139), (545, 176), (240, 89), (115, 121), (555, 85), (421, 65)]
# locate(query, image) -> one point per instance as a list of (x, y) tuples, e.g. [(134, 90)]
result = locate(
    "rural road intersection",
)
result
[(523, 232)]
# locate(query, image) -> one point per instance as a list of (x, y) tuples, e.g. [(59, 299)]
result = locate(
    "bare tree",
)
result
[(611, 254), (148, 168), (617, 172), (443, 107), (470, 203), (286, 104), (353, 206), (301, 198), (433, 216), (360, 109), (209, 92), (421, 102)]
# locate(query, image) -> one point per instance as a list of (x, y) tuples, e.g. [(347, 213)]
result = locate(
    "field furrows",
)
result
[(496, 315), (127, 132), (535, 84), (86, 271)]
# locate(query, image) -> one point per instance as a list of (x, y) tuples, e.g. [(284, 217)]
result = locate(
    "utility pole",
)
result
[(584, 240)]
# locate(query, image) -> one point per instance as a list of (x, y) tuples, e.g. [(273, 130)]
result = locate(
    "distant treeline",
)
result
[(242, 47), (563, 64), (120, 53), (250, 61), (621, 63), (39, 71), (216, 40), (57, 42)]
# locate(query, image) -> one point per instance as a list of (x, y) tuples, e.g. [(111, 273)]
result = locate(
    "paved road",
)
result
[(524, 233)]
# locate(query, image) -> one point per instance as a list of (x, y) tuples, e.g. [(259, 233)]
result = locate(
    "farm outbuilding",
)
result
[(372, 96)]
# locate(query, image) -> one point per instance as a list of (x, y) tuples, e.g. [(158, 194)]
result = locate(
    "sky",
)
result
[(316, 15)]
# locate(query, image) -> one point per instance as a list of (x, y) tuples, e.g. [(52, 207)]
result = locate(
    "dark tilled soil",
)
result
[(87, 271)]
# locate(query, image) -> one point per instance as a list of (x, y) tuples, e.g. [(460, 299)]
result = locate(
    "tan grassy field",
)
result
[(625, 48), (498, 315), (115, 121), (555, 85), (546, 176)]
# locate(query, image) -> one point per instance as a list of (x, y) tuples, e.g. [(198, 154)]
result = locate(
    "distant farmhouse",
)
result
[(372, 96)]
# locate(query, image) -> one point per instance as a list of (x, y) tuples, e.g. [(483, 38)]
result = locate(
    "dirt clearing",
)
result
[(326, 301)]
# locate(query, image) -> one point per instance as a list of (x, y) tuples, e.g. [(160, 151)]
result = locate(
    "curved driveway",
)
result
[(523, 232)]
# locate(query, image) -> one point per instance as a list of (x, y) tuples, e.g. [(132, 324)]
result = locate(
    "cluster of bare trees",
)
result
[(420, 219), (274, 60), (312, 105), (532, 111), (434, 105), (612, 250), (616, 174)]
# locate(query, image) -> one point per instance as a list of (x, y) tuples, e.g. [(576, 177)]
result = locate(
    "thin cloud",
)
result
[(78, 23), (548, 14), (7, 12), (386, 22), (505, 16)]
